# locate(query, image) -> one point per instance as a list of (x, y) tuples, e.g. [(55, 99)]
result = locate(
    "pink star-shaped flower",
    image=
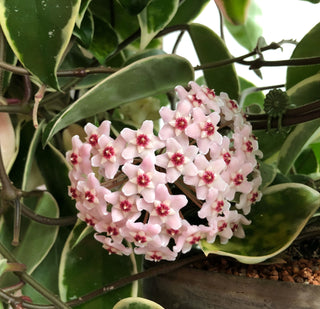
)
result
[(204, 129), (123, 207), (222, 151), (94, 133), (208, 177), (165, 208), (140, 143), (156, 254), (108, 156), (79, 157), (178, 159), (113, 247), (175, 122), (236, 176), (92, 193), (143, 179)]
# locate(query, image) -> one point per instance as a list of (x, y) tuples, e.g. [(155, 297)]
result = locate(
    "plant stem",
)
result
[(29, 280), (162, 268)]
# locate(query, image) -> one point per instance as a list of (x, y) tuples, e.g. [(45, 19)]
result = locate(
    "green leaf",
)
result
[(38, 33), (143, 78), (36, 239), (306, 91), (276, 221), (316, 149), (87, 267), (104, 42), (249, 94), (55, 177), (247, 34), (268, 174), (188, 10), (134, 7), (302, 135), (234, 11), (210, 49), (136, 303), (305, 48), (306, 163), (143, 54), (85, 32), (82, 11), (154, 18), (3, 265)]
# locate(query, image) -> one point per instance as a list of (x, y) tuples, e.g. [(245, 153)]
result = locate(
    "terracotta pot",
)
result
[(190, 288)]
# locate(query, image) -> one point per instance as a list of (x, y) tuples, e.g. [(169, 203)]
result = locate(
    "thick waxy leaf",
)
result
[(188, 10), (136, 303), (302, 135), (87, 267), (154, 18), (276, 221), (306, 91), (38, 31), (234, 11), (36, 239), (134, 7), (104, 40), (249, 95), (143, 78), (210, 49), (304, 49), (247, 33), (306, 163)]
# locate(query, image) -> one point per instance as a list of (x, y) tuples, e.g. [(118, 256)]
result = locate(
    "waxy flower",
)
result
[(138, 187)]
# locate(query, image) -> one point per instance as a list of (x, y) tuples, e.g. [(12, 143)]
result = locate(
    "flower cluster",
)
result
[(133, 189)]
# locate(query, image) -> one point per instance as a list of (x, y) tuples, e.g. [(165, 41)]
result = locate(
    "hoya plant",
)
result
[(113, 153)]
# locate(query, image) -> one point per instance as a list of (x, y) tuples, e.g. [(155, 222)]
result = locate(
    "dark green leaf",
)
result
[(143, 78), (234, 11), (302, 135), (305, 48), (56, 177), (210, 49), (276, 221), (134, 7), (154, 18), (143, 54), (188, 10), (85, 32), (316, 149), (306, 163), (247, 34), (104, 41), (38, 32), (87, 267)]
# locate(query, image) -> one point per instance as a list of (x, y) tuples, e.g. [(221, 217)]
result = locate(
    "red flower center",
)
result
[(172, 232), (177, 159), (89, 221), (125, 205), (181, 123), (162, 210), (93, 140), (254, 197), (234, 227), (108, 152), (238, 179), (74, 158), (73, 192), (227, 157), (210, 93), (208, 177), (111, 230), (219, 206), (195, 101), (140, 238), (233, 104), (143, 180), (222, 226), (89, 197), (194, 239), (209, 128), (155, 257), (249, 147), (143, 140)]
